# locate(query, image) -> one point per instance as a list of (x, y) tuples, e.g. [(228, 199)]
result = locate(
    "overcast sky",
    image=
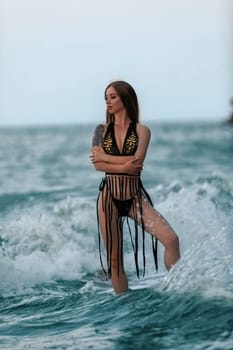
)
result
[(57, 56)]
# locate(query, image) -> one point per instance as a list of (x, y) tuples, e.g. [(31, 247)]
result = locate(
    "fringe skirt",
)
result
[(119, 195)]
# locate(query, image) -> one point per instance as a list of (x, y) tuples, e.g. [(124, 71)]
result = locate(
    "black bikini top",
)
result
[(130, 143)]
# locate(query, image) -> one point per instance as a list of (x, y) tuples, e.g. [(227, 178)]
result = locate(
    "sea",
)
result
[(53, 292)]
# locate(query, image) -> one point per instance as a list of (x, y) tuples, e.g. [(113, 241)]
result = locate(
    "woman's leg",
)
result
[(158, 226), (113, 239)]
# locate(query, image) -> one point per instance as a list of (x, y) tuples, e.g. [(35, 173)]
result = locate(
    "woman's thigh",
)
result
[(110, 224), (153, 221)]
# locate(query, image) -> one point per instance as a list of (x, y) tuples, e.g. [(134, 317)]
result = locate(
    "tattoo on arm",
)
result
[(97, 138)]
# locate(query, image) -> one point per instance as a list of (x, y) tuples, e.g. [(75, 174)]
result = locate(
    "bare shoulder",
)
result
[(101, 127), (143, 130)]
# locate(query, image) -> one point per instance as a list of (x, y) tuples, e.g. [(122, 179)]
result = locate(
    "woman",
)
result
[(119, 149)]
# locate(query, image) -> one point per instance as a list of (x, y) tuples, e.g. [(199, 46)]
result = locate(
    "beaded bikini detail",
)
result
[(130, 143)]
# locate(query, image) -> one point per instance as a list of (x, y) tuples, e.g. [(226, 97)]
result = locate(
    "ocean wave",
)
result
[(56, 238)]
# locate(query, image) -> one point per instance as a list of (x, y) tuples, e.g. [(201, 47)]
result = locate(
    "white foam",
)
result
[(206, 242), (41, 244)]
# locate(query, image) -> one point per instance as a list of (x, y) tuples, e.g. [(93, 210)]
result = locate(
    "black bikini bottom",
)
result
[(123, 207)]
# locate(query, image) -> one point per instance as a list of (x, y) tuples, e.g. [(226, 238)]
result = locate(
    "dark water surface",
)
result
[(53, 294)]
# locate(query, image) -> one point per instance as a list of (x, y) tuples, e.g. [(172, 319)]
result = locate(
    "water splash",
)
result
[(39, 245)]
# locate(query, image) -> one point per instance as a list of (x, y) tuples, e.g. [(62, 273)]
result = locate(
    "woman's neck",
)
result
[(121, 120)]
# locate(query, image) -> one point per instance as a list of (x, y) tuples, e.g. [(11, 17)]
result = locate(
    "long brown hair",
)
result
[(129, 99)]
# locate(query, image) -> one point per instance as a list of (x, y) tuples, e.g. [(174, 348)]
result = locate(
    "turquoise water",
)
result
[(53, 294)]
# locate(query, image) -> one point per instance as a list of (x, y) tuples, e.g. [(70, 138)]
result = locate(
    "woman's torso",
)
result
[(122, 186)]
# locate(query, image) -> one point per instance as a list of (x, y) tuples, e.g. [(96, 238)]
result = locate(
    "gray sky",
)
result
[(57, 56)]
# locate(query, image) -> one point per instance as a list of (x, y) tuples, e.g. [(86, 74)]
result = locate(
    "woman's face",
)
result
[(113, 101)]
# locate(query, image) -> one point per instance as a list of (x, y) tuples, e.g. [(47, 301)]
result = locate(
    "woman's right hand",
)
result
[(98, 154)]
